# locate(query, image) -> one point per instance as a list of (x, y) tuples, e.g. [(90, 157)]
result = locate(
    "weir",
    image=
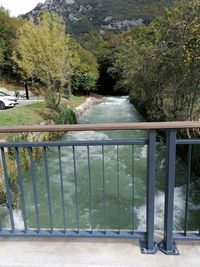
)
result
[(102, 180)]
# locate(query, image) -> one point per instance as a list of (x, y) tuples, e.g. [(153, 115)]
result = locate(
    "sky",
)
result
[(17, 7)]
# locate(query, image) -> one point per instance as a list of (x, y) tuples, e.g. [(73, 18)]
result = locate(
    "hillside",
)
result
[(83, 16)]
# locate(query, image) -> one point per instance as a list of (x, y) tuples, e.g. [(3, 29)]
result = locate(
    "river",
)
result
[(111, 110)]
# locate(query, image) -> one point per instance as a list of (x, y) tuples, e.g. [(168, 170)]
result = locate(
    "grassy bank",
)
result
[(25, 115), (32, 114)]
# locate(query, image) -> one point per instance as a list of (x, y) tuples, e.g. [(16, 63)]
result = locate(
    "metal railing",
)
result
[(105, 230), (168, 245)]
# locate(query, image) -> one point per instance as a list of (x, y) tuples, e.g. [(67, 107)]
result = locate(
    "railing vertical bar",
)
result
[(104, 193), (118, 191), (187, 188), (133, 191), (76, 189), (48, 188), (1, 226), (34, 189), (8, 191), (169, 202), (151, 189), (168, 245), (62, 190), (150, 247), (21, 190), (90, 188)]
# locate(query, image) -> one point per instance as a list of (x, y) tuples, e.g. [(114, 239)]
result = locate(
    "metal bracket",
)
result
[(173, 251), (145, 250)]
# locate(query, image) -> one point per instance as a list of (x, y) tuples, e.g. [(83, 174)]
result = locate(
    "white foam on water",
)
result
[(19, 224), (179, 207), (88, 135), (141, 153), (194, 207), (162, 164), (116, 99), (18, 220), (113, 102)]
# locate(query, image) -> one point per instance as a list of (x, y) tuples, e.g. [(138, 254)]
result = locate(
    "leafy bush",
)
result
[(64, 115)]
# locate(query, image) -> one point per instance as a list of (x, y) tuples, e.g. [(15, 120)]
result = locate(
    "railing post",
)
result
[(148, 246), (168, 245)]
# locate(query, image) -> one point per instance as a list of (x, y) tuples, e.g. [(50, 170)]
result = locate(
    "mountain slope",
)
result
[(83, 16)]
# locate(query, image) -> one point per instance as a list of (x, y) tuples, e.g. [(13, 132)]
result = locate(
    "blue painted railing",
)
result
[(148, 245)]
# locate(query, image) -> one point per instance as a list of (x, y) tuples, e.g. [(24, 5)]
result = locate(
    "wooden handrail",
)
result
[(102, 127)]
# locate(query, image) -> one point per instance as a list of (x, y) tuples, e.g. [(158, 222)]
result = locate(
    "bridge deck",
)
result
[(86, 252)]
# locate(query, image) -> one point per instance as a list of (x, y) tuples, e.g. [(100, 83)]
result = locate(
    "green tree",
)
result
[(85, 69), (8, 31), (42, 53), (92, 41), (160, 65)]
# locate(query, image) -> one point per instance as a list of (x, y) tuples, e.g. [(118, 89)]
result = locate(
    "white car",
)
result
[(7, 101)]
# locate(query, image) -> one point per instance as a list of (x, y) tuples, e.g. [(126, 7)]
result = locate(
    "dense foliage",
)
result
[(85, 71), (8, 32), (64, 115), (159, 64)]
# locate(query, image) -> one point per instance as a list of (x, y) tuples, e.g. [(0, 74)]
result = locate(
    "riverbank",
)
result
[(89, 103), (37, 113)]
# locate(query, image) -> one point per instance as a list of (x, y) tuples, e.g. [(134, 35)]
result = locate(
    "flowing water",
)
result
[(112, 207)]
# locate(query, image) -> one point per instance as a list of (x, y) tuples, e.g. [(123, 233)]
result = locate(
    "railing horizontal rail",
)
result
[(102, 127), (87, 234), (188, 142), (188, 236), (75, 143)]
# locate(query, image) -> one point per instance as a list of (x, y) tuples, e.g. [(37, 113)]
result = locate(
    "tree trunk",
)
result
[(26, 89)]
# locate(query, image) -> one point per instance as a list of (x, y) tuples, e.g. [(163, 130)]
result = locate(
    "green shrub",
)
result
[(64, 115)]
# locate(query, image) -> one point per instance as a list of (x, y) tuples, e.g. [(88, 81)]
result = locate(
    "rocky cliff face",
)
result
[(83, 16)]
